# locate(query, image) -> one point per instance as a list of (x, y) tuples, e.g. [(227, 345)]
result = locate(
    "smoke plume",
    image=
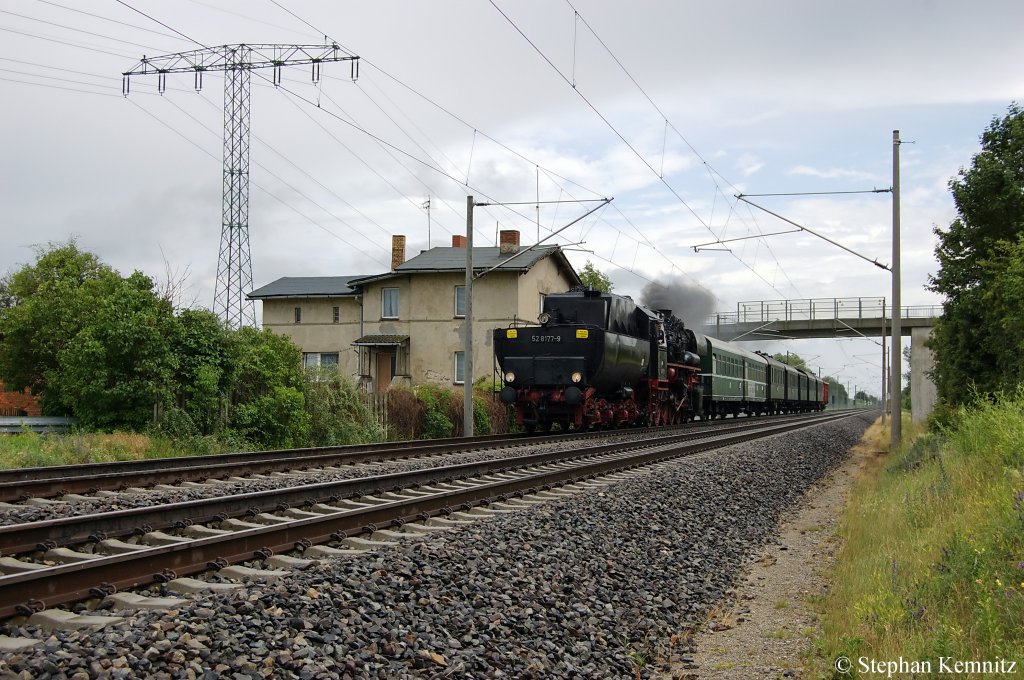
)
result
[(690, 302)]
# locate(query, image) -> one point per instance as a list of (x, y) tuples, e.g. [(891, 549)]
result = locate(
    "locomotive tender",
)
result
[(601, 360)]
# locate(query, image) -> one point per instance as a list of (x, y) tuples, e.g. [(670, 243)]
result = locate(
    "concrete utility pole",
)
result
[(895, 379), (885, 368), (467, 352), (234, 265)]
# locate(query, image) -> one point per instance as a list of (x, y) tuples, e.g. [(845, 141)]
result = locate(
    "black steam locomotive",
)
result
[(601, 360)]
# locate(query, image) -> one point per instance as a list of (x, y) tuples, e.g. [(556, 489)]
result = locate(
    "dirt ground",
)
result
[(769, 627)]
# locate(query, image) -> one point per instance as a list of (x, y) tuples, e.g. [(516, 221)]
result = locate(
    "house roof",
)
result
[(307, 286), (433, 261), (440, 260), (377, 340)]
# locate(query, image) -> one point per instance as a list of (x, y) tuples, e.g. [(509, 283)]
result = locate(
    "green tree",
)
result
[(592, 277), (978, 273), (50, 302), (268, 406), (117, 370), (794, 360), (200, 347)]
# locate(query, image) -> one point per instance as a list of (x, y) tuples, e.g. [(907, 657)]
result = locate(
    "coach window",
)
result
[(298, 315), (389, 303), (460, 368), (460, 301)]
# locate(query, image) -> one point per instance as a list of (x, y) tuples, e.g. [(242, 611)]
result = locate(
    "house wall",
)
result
[(426, 313), (15, 403), (317, 331)]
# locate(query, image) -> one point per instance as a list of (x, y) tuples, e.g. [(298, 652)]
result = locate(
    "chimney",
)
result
[(397, 251), (508, 242), (458, 241)]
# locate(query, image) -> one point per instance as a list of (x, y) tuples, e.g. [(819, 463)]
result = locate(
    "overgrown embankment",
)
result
[(932, 563)]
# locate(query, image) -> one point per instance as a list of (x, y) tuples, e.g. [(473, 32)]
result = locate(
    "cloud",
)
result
[(835, 173), (748, 164)]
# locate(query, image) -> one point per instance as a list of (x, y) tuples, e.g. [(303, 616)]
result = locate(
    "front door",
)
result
[(386, 365)]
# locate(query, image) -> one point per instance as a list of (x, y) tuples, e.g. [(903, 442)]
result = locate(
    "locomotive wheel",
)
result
[(530, 428)]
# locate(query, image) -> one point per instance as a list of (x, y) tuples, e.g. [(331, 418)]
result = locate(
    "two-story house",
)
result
[(406, 326)]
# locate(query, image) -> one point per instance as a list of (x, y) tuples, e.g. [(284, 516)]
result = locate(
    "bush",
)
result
[(438, 422), (405, 414), (338, 413)]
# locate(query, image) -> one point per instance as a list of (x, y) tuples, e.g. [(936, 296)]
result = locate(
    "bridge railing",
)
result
[(813, 309)]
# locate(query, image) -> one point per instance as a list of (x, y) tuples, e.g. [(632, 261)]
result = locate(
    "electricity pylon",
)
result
[(234, 263)]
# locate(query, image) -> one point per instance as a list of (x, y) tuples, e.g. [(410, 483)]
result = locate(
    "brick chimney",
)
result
[(397, 251), (458, 241), (508, 242)]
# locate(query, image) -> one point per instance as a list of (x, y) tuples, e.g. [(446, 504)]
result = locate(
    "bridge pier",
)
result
[(923, 393)]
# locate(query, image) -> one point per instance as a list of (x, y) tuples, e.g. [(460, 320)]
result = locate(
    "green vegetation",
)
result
[(979, 339), (932, 562), (113, 352), (29, 449), (592, 277)]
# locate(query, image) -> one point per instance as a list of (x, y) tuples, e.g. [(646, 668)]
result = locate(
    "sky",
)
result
[(669, 108)]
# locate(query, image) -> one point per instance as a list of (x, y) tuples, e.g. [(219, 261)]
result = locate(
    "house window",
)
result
[(323, 360), (460, 368), (460, 301), (298, 315), (389, 303), (337, 314)]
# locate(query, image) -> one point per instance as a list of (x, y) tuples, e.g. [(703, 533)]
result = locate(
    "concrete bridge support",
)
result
[(923, 394)]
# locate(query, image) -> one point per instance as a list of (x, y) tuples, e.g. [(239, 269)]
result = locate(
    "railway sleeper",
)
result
[(58, 619)]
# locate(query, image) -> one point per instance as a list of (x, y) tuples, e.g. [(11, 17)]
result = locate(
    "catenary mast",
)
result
[(234, 263)]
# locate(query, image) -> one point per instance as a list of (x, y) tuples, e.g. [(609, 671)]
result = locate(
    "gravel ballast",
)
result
[(579, 587)]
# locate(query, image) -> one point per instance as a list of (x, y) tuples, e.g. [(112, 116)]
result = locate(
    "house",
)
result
[(406, 326)]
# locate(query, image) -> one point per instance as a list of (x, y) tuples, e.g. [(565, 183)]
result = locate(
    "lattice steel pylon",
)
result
[(234, 262)]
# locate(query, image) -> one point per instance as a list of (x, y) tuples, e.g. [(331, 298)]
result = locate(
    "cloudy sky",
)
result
[(671, 108)]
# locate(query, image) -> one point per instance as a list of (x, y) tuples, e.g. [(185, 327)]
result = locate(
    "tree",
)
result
[(268, 406), (118, 369), (979, 274), (791, 358), (593, 278), (203, 366), (51, 301)]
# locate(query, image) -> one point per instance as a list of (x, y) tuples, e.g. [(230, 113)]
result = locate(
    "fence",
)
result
[(377, 403), (36, 424)]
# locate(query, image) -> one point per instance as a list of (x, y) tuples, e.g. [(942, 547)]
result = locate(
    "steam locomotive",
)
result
[(601, 360)]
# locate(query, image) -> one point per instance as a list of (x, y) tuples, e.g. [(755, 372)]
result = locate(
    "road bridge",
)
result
[(836, 318)]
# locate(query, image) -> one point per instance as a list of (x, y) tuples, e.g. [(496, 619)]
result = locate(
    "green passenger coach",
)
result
[(734, 380)]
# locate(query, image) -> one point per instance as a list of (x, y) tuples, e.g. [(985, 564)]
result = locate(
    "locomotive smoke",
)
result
[(690, 302)]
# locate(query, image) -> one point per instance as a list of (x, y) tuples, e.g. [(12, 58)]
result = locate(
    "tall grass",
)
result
[(932, 562), (29, 449)]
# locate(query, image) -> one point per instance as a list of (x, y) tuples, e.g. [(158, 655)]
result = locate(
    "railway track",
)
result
[(102, 553), (20, 484)]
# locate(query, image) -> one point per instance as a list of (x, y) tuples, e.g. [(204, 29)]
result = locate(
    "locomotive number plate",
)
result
[(545, 338)]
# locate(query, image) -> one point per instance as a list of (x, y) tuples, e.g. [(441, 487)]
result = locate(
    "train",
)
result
[(600, 360)]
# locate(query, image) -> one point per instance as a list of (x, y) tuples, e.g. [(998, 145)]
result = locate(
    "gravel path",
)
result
[(591, 586)]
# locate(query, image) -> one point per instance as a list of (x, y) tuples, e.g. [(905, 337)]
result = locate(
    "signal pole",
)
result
[(234, 263)]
